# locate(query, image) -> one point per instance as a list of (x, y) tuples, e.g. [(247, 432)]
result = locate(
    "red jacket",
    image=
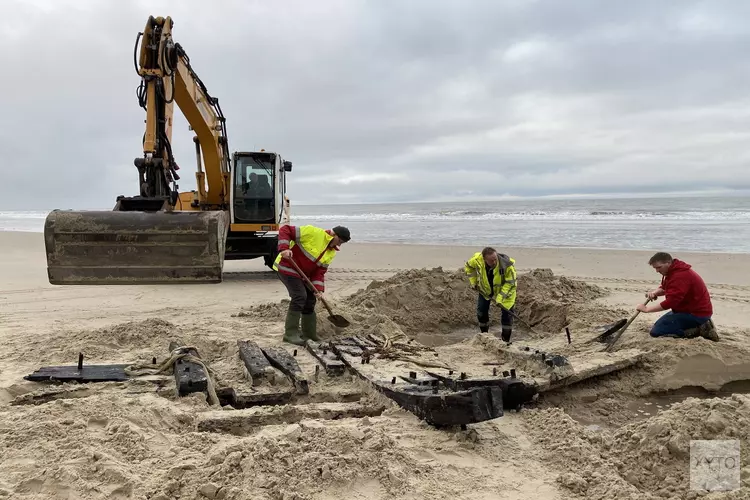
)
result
[(685, 291), (313, 266)]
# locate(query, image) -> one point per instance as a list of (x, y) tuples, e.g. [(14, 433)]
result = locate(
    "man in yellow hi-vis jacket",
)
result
[(493, 275)]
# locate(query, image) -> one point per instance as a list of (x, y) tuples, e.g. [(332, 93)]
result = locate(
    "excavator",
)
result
[(163, 235)]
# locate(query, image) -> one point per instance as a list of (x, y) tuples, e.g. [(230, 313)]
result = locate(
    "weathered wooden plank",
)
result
[(255, 361), (575, 368), (327, 358), (242, 422), (281, 359), (416, 379), (87, 373), (189, 377), (457, 382), (596, 366)]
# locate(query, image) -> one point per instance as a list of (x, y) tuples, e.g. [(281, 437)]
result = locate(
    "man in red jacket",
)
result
[(686, 295), (312, 249)]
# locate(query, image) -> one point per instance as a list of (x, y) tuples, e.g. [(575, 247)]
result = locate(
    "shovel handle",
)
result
[(636, 314), (516, 316), (619, 332), (311, 285)]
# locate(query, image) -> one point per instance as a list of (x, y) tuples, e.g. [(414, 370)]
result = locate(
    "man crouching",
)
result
[(686, 295)]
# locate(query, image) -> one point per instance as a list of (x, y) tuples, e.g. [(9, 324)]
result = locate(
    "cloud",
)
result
[(388, 100)]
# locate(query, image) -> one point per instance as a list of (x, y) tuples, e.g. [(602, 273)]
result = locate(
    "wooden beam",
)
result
[(327, 358), (189, 377), (242, 422), (80, 373), (256, 363), (282, 360)]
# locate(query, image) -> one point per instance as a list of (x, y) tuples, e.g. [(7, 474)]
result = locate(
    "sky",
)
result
[(390, 100)]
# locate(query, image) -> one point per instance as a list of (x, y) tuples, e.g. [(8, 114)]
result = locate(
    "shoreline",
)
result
[(464, 245)]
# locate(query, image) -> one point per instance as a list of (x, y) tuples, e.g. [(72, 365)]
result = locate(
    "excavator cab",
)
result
[(257, 205)]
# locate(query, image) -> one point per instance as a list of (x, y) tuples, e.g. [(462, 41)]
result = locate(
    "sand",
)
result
[(620, 436)]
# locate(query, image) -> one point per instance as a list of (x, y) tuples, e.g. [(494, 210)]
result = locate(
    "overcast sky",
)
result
[(390, 100)]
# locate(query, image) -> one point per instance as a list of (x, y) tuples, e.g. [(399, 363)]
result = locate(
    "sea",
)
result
[(703, 224)]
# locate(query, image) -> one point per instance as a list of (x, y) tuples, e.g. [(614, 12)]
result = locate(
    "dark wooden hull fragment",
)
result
[(283, 361), (88, 373), (447, 408), (442, 401), (255, 361), (516, 392), (189, 377), (327, 358)]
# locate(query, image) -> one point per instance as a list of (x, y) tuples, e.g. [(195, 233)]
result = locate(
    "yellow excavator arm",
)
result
[(167, 78)]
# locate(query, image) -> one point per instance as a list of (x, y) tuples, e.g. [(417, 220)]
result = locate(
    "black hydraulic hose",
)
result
[(135, 52)]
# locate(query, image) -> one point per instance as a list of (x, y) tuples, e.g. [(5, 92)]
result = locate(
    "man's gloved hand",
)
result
[(286, 254)]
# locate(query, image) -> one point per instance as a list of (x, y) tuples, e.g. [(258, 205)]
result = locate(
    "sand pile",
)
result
[(648, 459), (134, 340), (438, 301)]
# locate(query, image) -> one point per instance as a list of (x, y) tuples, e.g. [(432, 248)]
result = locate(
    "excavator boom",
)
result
[(160, 235)]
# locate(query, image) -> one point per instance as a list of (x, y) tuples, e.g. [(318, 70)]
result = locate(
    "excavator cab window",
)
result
[(253, 188)]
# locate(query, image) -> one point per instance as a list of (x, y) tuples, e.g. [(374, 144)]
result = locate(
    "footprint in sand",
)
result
[(97, 424)]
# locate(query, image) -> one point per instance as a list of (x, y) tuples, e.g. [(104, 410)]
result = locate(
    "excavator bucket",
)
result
[(134, 247)]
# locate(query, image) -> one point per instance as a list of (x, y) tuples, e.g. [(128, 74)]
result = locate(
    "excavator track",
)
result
[(133, 247)]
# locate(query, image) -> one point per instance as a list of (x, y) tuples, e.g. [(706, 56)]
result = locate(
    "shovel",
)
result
[(336, 319), (614, 334)]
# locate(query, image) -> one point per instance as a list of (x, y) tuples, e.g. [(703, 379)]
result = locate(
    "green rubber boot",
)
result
[(310, 327), (291, 328)]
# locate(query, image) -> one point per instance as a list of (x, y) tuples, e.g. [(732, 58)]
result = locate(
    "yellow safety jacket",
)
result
[(503, 281), (310, 251)]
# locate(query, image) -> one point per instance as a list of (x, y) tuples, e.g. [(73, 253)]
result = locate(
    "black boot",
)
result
[(507, 331)]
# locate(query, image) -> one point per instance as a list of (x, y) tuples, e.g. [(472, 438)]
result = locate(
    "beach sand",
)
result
[(621, 436)]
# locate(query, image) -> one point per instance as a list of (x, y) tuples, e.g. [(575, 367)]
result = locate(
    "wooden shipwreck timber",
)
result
[(411, 375)]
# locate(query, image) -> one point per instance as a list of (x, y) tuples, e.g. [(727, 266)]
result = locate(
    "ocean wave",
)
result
[(23, 215), (13, 218), (468, 215)]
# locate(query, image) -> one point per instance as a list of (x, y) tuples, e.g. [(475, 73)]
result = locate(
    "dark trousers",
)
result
[(302, 299), (674, 324), (483, 314)]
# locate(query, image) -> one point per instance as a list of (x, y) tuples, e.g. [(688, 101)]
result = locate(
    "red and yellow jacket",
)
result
[(310, 251)]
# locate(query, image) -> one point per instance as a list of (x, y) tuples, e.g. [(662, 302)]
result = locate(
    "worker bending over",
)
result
[(493, 275), (686, 295), (313, 250)]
